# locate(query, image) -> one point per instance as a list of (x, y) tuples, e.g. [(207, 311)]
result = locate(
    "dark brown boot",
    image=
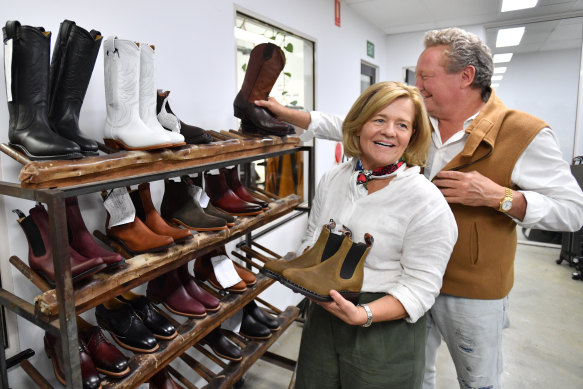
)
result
[(343, 272), (192, 134), (265, 64), (179, 207), (210, 209)]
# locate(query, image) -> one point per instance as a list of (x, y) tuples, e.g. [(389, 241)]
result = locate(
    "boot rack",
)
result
[(55, 309)]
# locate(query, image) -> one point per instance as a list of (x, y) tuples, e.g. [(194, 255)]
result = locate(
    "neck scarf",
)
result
[(364, 176)]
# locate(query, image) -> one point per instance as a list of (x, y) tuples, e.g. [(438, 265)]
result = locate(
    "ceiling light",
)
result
[(500, 70), (500, 58), (497, 78), (509, 37), (513, 5), (496, 85)]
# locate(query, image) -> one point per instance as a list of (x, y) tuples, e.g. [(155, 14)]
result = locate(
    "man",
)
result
[(497, 168)]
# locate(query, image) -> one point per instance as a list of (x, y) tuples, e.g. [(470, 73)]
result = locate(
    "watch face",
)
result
[(506, 205)]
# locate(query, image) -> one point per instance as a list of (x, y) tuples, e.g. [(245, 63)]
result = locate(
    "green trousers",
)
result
[(335, 355)]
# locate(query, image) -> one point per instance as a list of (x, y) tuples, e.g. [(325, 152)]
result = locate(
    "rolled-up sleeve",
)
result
[(554, 198), (324, 126)]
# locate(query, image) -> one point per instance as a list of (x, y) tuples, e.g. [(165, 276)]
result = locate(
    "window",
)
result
[(294, 88)]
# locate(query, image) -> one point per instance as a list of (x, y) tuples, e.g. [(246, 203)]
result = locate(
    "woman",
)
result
[(381, 192)]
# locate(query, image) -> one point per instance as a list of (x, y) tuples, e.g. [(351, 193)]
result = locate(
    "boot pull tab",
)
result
[(9, 31), (345, 231), (19, 213), (109, 45), (368, 239)]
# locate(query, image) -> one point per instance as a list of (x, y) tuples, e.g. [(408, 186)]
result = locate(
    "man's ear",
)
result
[(468, 75)]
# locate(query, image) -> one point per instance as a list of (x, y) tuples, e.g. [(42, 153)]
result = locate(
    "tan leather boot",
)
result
[(326, 246), (343, 272)]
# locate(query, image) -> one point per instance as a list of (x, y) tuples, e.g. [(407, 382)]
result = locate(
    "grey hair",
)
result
[(465, 49)]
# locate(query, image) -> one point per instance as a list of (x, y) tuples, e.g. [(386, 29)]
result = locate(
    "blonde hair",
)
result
[(374, 99)]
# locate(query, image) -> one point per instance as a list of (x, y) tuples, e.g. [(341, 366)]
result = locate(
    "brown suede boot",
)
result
[(326, 246), (204, 271), (343, 272)]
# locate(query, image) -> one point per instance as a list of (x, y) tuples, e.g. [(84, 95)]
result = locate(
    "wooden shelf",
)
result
[(144, 366), (132, 164), (142, 268)]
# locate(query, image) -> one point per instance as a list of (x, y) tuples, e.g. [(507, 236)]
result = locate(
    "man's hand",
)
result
[(475, 190), (471, 188), (344, 309)]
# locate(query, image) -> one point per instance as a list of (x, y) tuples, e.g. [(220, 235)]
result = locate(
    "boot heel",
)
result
[(113, 144), (240, 113)]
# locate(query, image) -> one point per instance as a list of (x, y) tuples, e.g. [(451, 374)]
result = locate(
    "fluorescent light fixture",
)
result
[(509, 36), (495, 85), (513, 5), (497, 78), (500, 70), (501, 58)]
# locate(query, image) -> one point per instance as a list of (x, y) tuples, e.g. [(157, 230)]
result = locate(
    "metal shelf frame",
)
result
[(54, 198)]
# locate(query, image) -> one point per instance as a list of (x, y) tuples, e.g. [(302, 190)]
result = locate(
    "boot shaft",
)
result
[(176, 196), (72, 65), (265, 64), (215, 185), (148, 89), (122, 80)]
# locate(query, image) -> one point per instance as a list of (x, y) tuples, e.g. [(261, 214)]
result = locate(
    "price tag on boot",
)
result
[(120, 207), (225, 271)]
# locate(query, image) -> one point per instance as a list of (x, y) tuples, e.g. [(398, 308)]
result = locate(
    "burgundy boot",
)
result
[(232, 176), (169, 290), (224, 198), (40, 253), (210, 302), (162, 380), (82, 241)]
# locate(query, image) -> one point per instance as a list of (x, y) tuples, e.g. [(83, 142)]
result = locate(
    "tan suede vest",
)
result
[(482, 262)]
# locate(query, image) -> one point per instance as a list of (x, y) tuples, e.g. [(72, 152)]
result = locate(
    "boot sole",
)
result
[(117, 144), (112, 373), (23, 150), (157, 300), (178, 222), (270, 274), (133, 252), (350, 296)]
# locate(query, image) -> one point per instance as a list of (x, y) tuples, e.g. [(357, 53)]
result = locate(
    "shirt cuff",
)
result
[(535, 209), (409, 302)]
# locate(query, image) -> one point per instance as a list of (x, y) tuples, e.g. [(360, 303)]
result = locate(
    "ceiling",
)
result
[(558, 31)]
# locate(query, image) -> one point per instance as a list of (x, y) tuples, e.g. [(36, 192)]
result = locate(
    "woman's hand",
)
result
[(344, 309)]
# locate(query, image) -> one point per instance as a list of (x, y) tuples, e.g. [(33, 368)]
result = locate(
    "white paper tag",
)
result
[(225, 271), (204, 199), (120, 207), (8, 67), (214, 172)]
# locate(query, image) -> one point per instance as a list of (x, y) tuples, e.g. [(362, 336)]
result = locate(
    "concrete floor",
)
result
[(543, 348)]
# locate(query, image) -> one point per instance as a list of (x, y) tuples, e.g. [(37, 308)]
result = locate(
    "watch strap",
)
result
[(368, 315)]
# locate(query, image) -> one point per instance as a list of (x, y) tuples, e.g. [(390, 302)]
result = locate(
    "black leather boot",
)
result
[(27, 87), (72, 64)]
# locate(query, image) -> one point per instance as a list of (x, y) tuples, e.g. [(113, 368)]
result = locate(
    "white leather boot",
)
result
[(148, 95), (123, 127)]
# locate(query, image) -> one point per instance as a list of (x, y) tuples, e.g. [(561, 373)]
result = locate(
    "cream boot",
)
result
[(123, 127), (148, 95)]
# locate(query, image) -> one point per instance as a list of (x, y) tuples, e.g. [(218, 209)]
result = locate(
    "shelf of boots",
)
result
[(191, 331), (142, 268), (230, 147)]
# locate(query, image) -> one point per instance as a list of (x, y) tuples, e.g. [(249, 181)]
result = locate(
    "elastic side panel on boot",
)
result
[(140, 213), (332, 245), (35, 238), (352, 258)]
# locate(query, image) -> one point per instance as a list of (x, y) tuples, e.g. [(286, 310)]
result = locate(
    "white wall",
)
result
[(544, 84), (195, 59)]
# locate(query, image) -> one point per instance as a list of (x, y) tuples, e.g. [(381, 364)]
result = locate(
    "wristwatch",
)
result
[(368, 315), (506, 203)]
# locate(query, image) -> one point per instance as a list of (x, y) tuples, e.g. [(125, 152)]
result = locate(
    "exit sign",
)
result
[(370, 49)]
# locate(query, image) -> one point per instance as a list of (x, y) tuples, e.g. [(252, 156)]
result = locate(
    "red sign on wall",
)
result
[(337, 12)]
